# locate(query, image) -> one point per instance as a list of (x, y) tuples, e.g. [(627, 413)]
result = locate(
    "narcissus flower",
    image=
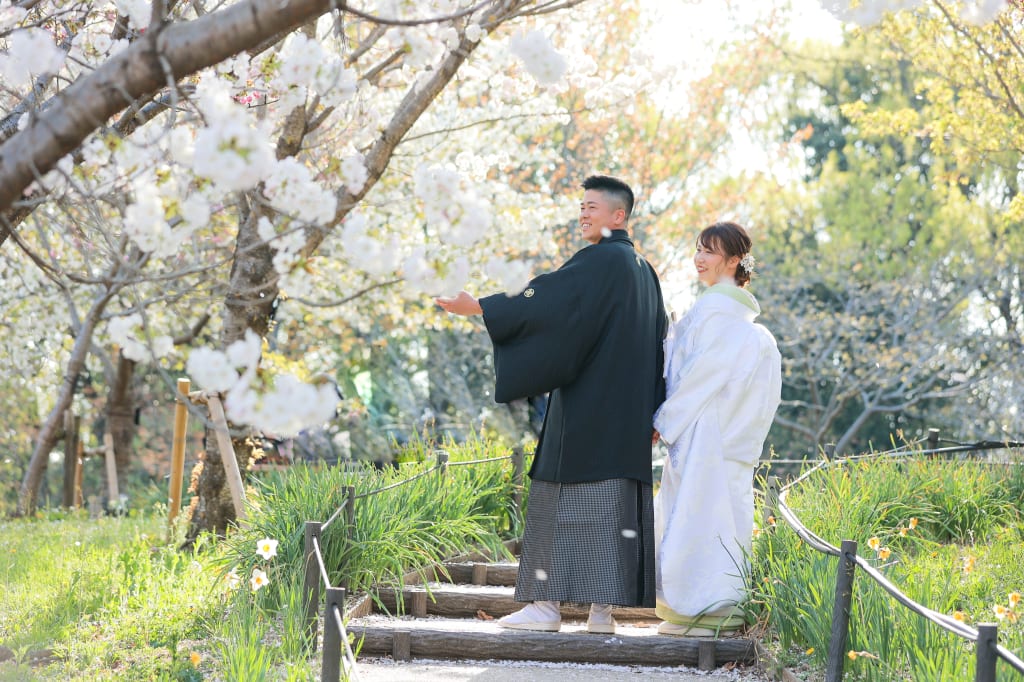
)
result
[(1014, 599), (912, 523), (258, 580), (266, 548), (1000, 611), (874, 543), (959, 616), (884, 553)]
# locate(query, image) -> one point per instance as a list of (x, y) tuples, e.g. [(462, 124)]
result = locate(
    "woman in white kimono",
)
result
[(723, 382)]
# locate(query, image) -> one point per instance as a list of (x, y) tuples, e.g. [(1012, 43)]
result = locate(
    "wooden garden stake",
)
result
[(79, 461), (178, 450), (71, 424), (108, 453), (227, 455)]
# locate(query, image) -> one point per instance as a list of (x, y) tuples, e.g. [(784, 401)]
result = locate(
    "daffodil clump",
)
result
[(949, 535)]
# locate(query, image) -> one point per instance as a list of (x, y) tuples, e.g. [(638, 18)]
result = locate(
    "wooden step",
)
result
[(477, 573), (436, 638), (465, 601)]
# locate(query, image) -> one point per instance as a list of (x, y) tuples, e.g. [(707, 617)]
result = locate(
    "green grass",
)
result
[(963, 555), (104, 599), (111, 599)]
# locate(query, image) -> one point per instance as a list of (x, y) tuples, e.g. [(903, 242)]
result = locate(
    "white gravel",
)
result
[(426, 670)]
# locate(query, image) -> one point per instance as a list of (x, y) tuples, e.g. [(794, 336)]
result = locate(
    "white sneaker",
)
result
[(540, 615), (600, 620)]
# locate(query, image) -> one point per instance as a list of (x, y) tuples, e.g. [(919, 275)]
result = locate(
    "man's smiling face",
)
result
[(598, 214)]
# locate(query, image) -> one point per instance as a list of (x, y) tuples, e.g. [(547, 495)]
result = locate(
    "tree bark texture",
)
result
[(253, 288), (52, 427), (153, 61), (121, 425)]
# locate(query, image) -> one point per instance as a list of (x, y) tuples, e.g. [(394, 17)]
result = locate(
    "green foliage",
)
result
[(406, 527), (946, 533), (106, 599)]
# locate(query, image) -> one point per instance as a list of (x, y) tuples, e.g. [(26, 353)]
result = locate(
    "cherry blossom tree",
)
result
[(245, 168)]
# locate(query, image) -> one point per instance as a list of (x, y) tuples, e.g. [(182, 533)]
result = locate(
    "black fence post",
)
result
[(841, 611), (771, 501), (933, 442), (331, 669), (350, 519), (830, 451), (985, 665), (311, 582), (442, 462), (350, 507), (518, 467)]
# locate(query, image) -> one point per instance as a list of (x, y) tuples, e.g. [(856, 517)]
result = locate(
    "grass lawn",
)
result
[(111, 599)]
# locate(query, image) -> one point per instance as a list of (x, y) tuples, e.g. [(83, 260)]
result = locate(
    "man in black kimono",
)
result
[(590, 333)]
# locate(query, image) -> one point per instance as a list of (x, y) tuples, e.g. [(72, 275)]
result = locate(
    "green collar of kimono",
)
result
[(737, 294)]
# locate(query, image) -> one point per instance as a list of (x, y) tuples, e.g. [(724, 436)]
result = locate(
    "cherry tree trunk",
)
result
[(52, 427), (121, 425)]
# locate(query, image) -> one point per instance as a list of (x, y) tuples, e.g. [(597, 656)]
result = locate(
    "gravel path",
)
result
[(423, 670)]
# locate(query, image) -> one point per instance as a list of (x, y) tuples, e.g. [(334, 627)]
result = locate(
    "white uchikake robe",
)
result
[(723, 384)]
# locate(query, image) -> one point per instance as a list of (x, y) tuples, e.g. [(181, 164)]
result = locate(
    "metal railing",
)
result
[(337, 650), (988, 651)]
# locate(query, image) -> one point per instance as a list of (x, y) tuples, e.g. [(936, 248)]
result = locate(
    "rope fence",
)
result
[(988, 651), (337, 650)]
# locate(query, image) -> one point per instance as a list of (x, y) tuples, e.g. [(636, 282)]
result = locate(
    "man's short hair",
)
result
[(614, 187)]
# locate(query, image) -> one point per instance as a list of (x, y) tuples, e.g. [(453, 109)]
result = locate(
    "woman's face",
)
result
[(712, 266)]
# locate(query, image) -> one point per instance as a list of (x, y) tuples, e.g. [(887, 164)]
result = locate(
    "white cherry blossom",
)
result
[(30, 53)]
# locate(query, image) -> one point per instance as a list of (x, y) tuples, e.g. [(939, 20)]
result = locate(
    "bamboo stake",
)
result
[(227, 455), (178, 450), (113, 493)]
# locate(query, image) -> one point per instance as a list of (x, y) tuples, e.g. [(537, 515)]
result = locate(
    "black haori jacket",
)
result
[(590, 333)]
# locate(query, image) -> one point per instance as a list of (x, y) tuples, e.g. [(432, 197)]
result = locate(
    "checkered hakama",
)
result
[(589, 542)]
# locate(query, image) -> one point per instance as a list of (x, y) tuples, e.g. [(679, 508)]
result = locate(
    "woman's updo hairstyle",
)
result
[(728, 239)]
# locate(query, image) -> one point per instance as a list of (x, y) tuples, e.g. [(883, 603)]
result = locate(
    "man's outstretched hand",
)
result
[(460, 304)]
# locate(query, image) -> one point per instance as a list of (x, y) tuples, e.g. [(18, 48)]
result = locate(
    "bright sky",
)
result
[(685, 32)]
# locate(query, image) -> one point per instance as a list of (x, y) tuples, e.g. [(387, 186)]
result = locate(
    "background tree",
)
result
[(872, 280)]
